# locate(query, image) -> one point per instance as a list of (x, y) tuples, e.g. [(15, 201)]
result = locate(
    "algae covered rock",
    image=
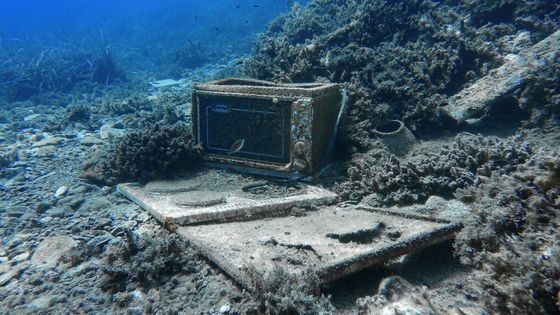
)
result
[(462, 164), (512, 238)]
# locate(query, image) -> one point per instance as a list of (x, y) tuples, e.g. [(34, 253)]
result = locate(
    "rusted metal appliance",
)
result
[(261, 127)]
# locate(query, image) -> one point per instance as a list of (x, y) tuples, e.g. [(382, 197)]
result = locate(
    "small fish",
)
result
[(236, 146), (217, 29), (238, 6), (255, 5)]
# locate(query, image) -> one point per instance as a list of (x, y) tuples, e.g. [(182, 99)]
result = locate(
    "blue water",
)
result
[(142, 35)]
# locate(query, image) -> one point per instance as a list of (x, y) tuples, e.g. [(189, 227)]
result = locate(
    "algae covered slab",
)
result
[(474, 100)]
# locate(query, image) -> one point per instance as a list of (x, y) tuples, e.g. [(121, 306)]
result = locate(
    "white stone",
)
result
[(225, 309), (31, 117), (61, 191), (21, 257), (164, 83)]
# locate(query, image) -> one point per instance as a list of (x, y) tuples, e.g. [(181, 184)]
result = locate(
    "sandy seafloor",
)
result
[(70, 245)]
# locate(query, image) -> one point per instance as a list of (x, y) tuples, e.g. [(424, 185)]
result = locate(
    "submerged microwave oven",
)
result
[(263, 127)]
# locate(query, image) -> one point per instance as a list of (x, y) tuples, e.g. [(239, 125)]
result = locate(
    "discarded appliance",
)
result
[(265, 128)]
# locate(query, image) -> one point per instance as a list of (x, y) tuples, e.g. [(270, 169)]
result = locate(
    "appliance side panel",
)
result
[(325, 112)]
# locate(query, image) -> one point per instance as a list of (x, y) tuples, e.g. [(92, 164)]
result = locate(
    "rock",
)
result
[(20, 258), (41, 303), (42, 207), (16, 180), (36, 280), (12, 273), (49, 141), (224, 309), (89, 141), (35, 138), (73, 202), (31, 117), (61, 191), (453, 210), (134, 311), (44, 151), (414, 305), (97, 244), (108, 132), (50, 251), (56, 213)]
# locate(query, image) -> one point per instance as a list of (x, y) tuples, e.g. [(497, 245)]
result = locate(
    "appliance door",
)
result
[(249, 128)]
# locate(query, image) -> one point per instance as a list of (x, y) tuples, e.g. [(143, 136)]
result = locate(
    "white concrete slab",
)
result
[(333, 242)]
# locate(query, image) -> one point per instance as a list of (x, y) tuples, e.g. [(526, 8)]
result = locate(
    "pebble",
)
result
[(143, 217), (42, 207), (61, 191), (46, 220), (81, 189)]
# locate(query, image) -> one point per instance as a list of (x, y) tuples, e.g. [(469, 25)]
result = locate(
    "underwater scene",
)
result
[(280, 157)]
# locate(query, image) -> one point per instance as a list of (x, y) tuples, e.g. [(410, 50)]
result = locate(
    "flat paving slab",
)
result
[(333, 242), (183, 202)]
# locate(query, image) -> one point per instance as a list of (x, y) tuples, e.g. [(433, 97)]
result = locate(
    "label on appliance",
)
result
[(221, 108)]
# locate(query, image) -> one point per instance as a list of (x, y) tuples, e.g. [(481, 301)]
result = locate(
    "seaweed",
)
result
[(282, 293), (144, 260), (30, 68), (191, 55), (142, 156)]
